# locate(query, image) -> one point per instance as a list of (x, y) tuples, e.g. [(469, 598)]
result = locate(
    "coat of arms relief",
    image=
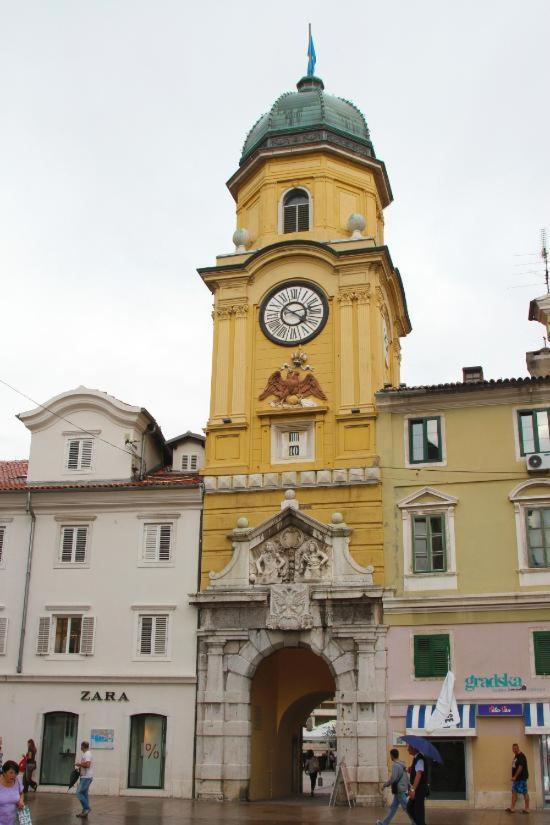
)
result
[(290, 556)]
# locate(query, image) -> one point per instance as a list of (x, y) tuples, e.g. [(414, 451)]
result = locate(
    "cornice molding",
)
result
[(101, 679), (482, 602)]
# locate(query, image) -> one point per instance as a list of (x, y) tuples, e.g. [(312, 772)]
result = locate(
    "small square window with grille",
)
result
[(190, 462)]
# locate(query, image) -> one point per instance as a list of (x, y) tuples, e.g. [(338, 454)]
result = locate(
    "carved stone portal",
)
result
[(290, 556), (289, 607)]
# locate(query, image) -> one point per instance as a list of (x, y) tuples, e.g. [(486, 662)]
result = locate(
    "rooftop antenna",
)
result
[(544, 256)]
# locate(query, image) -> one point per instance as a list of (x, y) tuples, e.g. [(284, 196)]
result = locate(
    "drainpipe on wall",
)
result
[(197, 643), (30, 511)]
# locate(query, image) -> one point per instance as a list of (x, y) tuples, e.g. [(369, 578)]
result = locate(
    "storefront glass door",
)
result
[(545, 752), (147, 746), (58, 748), (448, 781)]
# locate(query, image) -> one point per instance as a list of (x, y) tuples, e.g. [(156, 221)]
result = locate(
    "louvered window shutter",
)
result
[(2, 535), (67, 540), (161, 635), (43, 641), (194, 462), (3, 635), (146, 635), (431, 655), (87, 635), (289, 219), (303, 217), (72, 459), (541, 640), (80, 544), (86, 454), (185, 462), (150, 543), (165, 542)]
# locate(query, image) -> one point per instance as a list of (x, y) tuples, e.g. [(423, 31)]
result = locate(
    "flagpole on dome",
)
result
[(311, 56)]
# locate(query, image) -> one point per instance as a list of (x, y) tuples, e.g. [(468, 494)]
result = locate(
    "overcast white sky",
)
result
[(122, 120)]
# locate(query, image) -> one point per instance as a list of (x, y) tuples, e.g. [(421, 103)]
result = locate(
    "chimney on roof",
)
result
[(538, 362), (472, 375)]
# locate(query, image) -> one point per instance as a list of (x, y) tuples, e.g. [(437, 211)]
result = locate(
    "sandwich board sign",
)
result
[(341, 791)]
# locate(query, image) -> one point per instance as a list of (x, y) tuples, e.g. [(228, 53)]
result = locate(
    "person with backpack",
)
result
[(420, 788), (311, 767), (399, 783)]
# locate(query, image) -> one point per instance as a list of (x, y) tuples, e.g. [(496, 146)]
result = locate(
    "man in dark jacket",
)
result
[(419, 787)]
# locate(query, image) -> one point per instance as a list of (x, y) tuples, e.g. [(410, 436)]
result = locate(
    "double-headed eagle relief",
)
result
[(294, 389), (291, 556)]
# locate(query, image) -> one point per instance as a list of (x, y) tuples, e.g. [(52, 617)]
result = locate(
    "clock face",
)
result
[(293, 313)]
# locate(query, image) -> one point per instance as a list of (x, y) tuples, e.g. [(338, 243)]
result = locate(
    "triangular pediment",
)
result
[(288, 517), (427, 497)]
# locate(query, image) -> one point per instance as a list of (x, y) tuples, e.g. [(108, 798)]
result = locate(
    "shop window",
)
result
[(147, 749), (538, 536), (425, 445), (429, 554), (541, 644), (58, 747), (534, 435), (432, 655)]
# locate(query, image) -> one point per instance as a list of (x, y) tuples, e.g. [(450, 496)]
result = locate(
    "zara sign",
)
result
[(103, 696)]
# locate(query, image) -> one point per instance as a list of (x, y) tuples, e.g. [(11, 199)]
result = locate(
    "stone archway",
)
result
[(286, 687)]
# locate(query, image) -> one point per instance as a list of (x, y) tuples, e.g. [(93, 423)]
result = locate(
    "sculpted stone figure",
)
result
[(271, 565), (313, 561)]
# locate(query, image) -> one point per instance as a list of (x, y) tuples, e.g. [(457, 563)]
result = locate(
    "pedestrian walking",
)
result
[(11, 795), (86, 776), (419, 789), (520, 775), (311, 767), (30, 767), (399, 783)]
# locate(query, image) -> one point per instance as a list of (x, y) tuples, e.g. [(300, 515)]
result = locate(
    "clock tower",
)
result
[(308, 313)]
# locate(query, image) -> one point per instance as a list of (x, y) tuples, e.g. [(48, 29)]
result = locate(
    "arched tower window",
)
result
[(296, 211)]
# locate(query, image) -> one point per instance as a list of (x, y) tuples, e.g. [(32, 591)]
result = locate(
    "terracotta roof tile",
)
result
[(13, 476)]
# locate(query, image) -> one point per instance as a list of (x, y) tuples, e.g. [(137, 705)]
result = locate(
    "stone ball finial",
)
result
[(290, 494), (356, 225), (242, 523), (241, 239), (337, 518)]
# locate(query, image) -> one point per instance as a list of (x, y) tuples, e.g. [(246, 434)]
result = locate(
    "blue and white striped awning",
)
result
[(537, 717), (418, 715)]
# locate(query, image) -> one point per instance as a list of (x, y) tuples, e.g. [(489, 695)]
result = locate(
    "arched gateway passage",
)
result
[(286, 687)]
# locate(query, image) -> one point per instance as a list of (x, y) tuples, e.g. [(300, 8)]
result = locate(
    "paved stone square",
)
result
[(60, 809)]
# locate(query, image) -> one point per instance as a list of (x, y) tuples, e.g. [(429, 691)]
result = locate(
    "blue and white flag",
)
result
[(311, 56)]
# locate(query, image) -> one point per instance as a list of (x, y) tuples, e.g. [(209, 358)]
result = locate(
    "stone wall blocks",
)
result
[(260, 639), (332, 651), (370, 696), (237, 697), (236, 772), (346, 729), (367, 728), (340, 476), (308, 478), (237, 728), (212, 697), (210, 483), (225, 482), (356, 474), (249, 652), (324, 477), (255, 481), (208, 771), (372, 473), (290, 479), (236, 664), (236, 682), (344, 663), (207, 728), (240, 482), (271, 479), (369, 774), (346, 681)]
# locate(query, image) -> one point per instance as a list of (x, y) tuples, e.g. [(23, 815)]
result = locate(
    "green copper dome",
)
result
[(308, 116)]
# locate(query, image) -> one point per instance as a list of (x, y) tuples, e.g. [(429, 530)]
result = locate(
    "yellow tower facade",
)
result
[(308, 313)]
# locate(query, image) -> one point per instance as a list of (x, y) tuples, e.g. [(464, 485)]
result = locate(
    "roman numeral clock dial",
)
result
[(293, 313)]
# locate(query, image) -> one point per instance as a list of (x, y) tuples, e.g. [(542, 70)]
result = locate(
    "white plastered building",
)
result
[(100, 542)]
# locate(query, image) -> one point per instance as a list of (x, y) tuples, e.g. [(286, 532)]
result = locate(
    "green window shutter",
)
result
[(431, 655), (541, 640)]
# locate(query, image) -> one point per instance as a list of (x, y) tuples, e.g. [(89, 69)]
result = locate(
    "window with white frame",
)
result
[(429, 550), (157, 542), (66, 634), (534, 431), (293, 442), (153, 635), (296, 211), (190, 462), (79, 454), (531, 500), (74, 544), (3, 635)]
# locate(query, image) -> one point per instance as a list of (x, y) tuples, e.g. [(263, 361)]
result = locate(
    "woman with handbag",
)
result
[(399, 783), (30, 767), (11, 795)]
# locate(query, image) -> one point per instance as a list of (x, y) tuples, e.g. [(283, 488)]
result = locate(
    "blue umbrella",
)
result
[(424, 746)]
